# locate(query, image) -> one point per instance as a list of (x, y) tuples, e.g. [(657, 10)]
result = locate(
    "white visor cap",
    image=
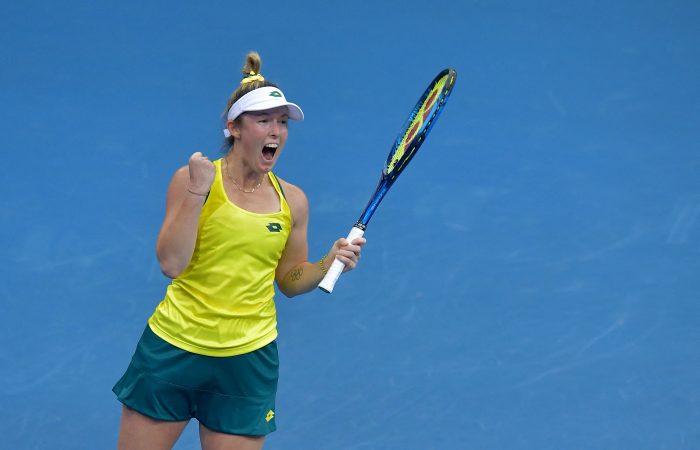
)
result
[(262, 99)]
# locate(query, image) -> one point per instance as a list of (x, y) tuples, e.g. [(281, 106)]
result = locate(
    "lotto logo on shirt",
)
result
[(274, 227)]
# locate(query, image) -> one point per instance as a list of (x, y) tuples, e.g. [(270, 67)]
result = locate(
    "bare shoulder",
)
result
[(183, 171), (180, 176), (178, 184), (296, 198)]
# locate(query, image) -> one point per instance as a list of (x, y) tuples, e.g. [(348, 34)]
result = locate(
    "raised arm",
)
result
[(186, 195), (295, 274)]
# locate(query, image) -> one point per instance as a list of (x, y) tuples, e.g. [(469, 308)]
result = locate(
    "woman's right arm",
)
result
[(186, 195)]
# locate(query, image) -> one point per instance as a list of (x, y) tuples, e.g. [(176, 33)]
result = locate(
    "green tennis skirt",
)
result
[(234, 395)]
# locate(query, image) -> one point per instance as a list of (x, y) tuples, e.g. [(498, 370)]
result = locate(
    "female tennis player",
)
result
[(231, 230)]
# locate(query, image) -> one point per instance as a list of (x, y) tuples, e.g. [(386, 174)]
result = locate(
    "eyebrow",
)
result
[(264, 113)]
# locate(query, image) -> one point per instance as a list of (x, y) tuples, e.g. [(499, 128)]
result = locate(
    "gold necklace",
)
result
[(239, 187)]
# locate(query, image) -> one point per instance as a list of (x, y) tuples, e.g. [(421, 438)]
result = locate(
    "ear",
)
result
[(234, 129)]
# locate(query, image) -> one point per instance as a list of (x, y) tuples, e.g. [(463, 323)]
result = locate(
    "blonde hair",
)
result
[(252, 79)]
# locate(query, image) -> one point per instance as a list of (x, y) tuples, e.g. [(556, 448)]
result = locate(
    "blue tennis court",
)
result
[(531, 282)]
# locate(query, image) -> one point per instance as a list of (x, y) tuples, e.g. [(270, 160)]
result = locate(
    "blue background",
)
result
[(531, 281)]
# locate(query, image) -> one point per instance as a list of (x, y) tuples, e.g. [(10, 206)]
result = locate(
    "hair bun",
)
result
[(252, 64)]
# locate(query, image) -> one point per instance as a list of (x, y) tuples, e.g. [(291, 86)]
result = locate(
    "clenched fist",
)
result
[(202, 173)]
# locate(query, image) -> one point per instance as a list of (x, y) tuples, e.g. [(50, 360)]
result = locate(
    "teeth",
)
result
[(272, 145)]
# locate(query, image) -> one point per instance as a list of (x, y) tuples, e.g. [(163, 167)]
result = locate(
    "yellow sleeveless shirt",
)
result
[(223, 303)]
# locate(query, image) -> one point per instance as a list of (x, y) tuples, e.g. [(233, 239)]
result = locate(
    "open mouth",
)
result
[(269, 151)]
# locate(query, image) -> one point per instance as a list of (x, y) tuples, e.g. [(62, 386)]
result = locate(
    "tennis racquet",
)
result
[(409, 140)]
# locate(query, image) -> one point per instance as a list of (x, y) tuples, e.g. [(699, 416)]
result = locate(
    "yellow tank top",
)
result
[(223, 303)]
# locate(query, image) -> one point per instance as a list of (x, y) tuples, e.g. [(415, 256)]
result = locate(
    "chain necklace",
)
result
[(239, 187)]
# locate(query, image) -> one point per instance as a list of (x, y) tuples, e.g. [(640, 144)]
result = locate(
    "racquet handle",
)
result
[(337, 267)]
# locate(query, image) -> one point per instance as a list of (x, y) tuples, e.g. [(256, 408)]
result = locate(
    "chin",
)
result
[(267, 166)]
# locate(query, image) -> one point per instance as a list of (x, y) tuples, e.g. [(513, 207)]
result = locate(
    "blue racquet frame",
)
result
[(412, 135)]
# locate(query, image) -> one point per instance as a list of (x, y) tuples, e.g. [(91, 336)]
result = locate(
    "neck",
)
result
[(244, 180)]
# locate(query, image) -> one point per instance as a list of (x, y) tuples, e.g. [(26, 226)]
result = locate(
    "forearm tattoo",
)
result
[(296, 274)]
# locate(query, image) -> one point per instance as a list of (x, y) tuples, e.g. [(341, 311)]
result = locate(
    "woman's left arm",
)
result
[(295, 274)]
